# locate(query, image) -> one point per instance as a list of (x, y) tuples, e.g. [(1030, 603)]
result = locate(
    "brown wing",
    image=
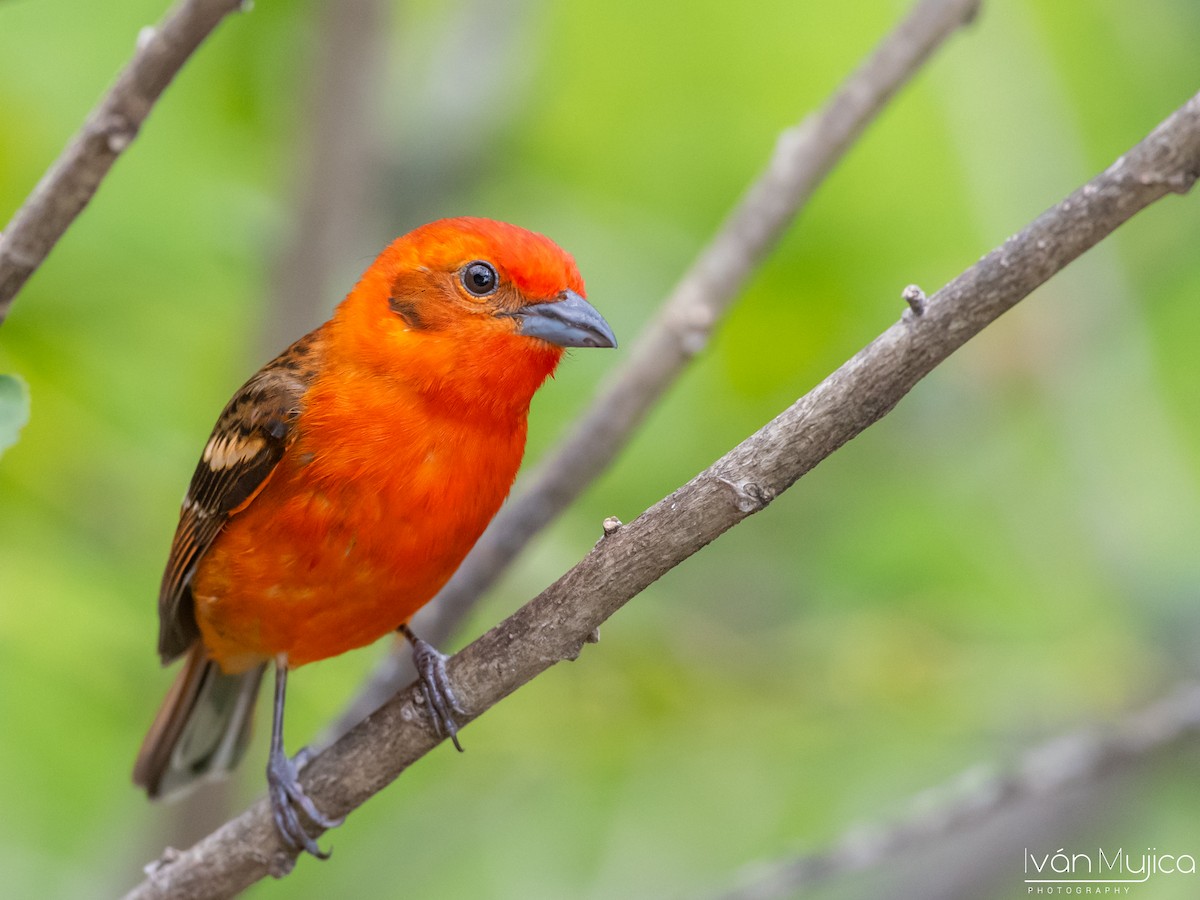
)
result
[(248, 441)]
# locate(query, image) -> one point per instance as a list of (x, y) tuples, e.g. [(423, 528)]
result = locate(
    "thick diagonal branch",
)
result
[(804, 155), (558, 622), (71, 182)]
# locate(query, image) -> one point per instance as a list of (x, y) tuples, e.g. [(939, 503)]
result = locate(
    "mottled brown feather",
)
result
[(250, 437)]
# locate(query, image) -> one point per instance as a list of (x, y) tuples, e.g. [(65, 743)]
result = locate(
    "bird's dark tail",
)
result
[(202, 728)]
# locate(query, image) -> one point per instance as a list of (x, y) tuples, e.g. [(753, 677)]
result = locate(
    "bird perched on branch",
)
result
[(346, 481)]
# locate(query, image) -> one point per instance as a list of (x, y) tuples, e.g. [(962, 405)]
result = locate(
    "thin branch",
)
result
[(109, 129), (337, 207), (804, 155), (556, 624), (1043, 775)]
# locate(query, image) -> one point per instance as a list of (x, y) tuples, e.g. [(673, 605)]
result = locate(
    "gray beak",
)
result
[(569, 321)]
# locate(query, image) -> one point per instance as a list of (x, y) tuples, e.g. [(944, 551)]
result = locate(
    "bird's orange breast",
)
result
[(371, 509)]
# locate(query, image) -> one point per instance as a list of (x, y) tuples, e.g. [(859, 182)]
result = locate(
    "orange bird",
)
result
[(345, 482)]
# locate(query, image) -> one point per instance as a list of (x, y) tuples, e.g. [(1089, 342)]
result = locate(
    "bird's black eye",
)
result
[(479, 278)]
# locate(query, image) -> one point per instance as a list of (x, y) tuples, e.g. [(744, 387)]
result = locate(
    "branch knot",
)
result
[(748, 496), (916, 300), (116, 131)]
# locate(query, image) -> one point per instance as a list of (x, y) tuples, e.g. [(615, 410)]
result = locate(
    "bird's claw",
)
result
[(288, 800), (302, 758), (439, 695)]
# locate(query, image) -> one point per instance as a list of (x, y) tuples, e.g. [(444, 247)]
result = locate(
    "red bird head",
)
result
[(473, 305)]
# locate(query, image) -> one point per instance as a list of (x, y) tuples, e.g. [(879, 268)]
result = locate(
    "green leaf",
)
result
[(14, 409)]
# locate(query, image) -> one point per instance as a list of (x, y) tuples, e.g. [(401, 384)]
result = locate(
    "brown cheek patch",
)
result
[(407, 310)]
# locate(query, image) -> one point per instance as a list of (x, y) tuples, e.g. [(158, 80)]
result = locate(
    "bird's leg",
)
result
[(435, 686), (288, 799)]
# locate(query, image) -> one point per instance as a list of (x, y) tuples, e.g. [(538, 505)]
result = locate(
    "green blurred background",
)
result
[(1009, 555)]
